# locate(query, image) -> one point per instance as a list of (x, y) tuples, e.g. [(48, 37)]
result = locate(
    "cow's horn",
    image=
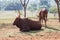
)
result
[(19, 13)]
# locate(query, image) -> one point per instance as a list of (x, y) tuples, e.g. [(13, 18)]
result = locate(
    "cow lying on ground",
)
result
[(27, 24), (43, 15)]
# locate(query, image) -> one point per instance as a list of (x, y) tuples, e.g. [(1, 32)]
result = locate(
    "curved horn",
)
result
[(18, 13)]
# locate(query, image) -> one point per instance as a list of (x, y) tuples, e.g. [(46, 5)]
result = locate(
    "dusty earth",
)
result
[(52, 32)]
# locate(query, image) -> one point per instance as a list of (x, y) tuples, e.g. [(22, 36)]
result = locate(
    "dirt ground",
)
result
[(52, 32)]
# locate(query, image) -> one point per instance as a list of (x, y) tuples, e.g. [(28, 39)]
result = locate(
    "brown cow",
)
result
[(43, 16), (26, 24)]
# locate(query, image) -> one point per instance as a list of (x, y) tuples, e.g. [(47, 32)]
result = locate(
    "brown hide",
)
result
[(27, 24), (43, 16)]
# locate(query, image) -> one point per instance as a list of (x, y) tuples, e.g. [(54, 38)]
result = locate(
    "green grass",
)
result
[(6, 21)]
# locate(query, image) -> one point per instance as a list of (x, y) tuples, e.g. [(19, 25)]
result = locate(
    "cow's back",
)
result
[(43, 14)]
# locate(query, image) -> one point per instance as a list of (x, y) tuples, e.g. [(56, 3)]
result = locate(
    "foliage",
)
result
[(37, 6), (14, 6), (53, 9), (45, 3), (32, 7)]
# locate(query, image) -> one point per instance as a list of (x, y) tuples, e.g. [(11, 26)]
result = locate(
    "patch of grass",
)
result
[(6, 21)]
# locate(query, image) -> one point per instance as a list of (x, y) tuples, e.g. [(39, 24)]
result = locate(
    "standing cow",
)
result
[(43, 16), (26, 24)]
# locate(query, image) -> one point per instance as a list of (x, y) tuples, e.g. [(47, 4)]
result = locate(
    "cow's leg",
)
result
[(45, 20), (40, 20), (25, 27)]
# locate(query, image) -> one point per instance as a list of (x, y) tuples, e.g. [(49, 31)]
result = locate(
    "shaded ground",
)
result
[(52, 32)]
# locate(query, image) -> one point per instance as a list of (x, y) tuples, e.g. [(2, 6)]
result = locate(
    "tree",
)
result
[(24, 4), (57, 2)]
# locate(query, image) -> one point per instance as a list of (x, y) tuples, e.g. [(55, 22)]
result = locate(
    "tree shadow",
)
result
[(31, 33), (36, 31), (52, 28)]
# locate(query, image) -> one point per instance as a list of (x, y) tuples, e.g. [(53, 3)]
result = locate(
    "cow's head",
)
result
[(16, 22)]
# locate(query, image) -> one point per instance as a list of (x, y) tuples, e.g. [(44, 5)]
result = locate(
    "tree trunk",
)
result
[(25, 12), (58, 12), (59, 16)]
